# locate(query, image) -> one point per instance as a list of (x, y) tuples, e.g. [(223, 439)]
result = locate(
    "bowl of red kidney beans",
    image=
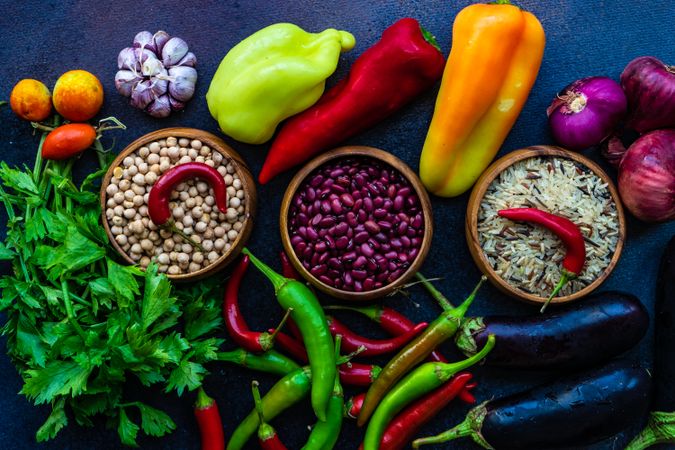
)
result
[(356, 222)]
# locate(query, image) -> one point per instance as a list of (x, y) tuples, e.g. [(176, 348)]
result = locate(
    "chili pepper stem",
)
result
[(464, 306), (435, 293), (267, 340), (566, 276), (660, 429), (203, 400), (265, 431), (471, 426), (373, 312), (277, 280), (171, 226), (447, 370)]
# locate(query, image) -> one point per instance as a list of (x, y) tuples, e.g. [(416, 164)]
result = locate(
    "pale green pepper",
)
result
[(271, 75)]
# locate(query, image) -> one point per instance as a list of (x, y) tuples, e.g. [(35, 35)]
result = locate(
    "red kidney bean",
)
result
[(336, 188), (359, 274), (362, 216), (380, 213), (347, 200), (312, 235), (341, 242), (360, 262), (368, 204), (367, 250), (371, 226)]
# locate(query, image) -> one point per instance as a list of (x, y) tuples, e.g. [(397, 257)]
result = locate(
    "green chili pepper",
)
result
[(324, 435), (308, 315), (417, 383), (441, 329), (270, 362), (273, 74), (285, 393)]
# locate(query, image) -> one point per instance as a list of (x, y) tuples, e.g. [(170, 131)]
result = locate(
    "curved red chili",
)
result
[(357, 374), (208, 419), (354, 404), (291, 346), (372, 347), (267, 435), (566, 230), (160, 193), (404, 426), (252, 341)]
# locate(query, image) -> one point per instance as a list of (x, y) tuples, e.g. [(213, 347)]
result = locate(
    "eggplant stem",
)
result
[(471, 426), (660, 429)]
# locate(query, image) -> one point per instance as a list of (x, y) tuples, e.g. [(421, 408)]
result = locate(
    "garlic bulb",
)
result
[(157, 73)]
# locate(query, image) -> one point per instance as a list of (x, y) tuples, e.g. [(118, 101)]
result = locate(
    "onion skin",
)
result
[(586, 112), (647, 176), (649, 85)]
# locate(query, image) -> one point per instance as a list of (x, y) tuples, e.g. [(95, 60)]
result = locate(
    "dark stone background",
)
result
[(42, 39)]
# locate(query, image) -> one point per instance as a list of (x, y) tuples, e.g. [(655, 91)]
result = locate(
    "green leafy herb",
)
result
[(79, 323)]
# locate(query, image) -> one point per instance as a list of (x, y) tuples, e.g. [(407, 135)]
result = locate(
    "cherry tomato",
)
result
[(31, 100), (68, 140)]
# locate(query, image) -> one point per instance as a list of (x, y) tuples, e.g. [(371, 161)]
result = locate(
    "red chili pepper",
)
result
[(267, 435), (403, 428), (353, 405), (405, 62), (357, 374), (568, 232), (291, 346), (160, 193), (371, 347), (208, 419)]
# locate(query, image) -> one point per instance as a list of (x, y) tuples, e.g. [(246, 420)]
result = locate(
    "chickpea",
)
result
[(110, 213), (228, 179), (204, 152), (194, 267), (110, 203), (179, 225), (133, 170), (240, 194), (143, 152), (126, 247), (209, 200), (153, 236), (213, 224), (178, 212), (143, 168), (197, 212), (192, 153), (240, 210), (219, 232), (237, 183), (112, 189), (127, 204), (228, 246), (163, 268), (207, 245), (210, 163), (184, 142), (119, 210), (200, 227), (189, 231), (184, 159), (164, 166), (222, 170), (190, 203), (128, 161), (231, 191), (237, 226), (186, 248), (150, 178), (124, 185), (231, 214), (196, 144), (168, 244), (133, 239), (217, 157), (152, 159), (164, 152), (208, 234), (173, 256), (136, 248), (152, 226), (235, 202), (198, 257), (171, 141), (118, 221), (147, 245), (129, 213), (230, 168), (183, 195), (219, 244), (137, 200), (118, 197), (145, 261), (137, 190), (117, 229), (143, 209), (146, 197), (183, 152), (173, 270), (139, 179), (154, 147), (207, 210), (129, 194), (121, 239), (188, 221), (163, 258), (212, 256), (232, 235), (134, 256), (183, 258)]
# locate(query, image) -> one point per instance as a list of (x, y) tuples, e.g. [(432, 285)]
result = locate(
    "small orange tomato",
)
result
[(78, 95), (68, 140), (31, 100)]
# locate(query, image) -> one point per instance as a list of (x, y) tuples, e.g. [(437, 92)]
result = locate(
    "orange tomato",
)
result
[(31, 100), (68, 140), (78, 95)]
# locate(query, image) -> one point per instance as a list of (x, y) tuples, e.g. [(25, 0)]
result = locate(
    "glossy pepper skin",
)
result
[(494, 60), (271, 75), (397, 69)]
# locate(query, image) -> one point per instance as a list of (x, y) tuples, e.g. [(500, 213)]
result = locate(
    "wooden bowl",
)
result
[(475, 200), (216, 144), (383, 157)]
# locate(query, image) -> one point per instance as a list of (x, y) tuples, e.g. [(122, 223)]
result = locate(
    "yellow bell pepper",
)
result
[(494, 60), (273, 74)]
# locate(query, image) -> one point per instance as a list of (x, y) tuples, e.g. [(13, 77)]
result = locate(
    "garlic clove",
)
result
[(144, 39), (183, 80), (160, 38), (142, 95), (125, 80), (127, 59), (143, 55), (174, 50), (152, 67), (176, 105), (160, 108), (160, 82), (189, 60)]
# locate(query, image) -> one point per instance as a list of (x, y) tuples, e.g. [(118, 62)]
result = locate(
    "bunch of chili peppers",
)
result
[(443, 383)]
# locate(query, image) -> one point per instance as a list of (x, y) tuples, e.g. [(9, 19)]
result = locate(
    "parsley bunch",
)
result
[(79, 324)]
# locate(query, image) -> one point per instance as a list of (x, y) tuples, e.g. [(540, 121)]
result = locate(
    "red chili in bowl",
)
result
[(356, 224)]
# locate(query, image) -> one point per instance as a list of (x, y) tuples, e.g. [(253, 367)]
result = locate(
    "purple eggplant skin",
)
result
[(575, 411), (583, 334), (664, 361)]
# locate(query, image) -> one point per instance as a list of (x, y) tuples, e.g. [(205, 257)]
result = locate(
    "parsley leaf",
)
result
[(187, 375), (57, 378), (157, 297), (57, 419), (5, 253), (127, 430), (155, 422)]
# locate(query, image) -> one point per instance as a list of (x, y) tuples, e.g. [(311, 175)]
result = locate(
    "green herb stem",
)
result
[(69, 310)]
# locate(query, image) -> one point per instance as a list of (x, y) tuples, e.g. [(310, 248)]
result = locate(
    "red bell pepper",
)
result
[(405, 62)]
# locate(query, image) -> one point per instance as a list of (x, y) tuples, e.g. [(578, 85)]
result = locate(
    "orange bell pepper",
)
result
[(495, 57)]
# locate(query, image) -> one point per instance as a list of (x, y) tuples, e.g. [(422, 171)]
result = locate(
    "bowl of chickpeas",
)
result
[(204, 230)]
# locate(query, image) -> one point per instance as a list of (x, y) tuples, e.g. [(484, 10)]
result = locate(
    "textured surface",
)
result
[(42, 39)]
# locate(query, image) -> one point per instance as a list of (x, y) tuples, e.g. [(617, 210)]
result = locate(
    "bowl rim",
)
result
[(216, 144), (383, 157), (475, 200)]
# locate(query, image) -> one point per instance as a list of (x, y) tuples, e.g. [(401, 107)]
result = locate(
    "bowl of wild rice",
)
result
[(211, 238), (524, 260)]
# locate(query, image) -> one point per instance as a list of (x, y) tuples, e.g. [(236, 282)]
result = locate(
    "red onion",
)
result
[(586, 112), (650, 87), (647, 176)]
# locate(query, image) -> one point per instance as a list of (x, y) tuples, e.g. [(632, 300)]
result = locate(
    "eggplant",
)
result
[(576, 411), (567, 338), (661, 426)]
